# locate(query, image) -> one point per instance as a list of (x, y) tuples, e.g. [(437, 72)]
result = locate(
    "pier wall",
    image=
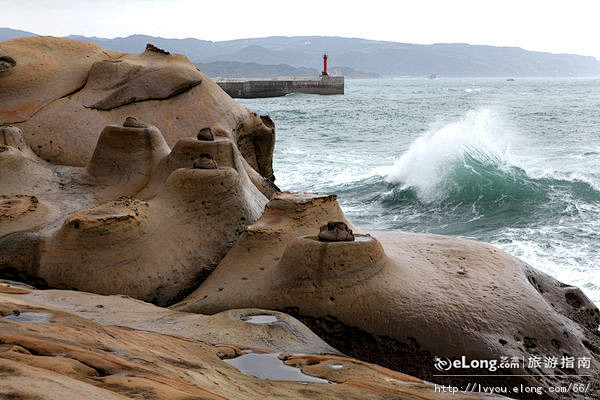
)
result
[(257, 88)]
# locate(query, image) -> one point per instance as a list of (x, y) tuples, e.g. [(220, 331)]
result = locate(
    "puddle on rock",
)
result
[(269, 366), (263, 319), (31, 317)]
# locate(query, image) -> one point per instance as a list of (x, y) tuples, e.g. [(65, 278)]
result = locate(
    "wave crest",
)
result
[(468, 163)]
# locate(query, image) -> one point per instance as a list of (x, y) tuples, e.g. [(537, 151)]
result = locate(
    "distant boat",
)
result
[(510, 80), (432, 76)]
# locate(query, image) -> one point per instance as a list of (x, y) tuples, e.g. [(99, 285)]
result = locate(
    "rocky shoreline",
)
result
[(138, 201)]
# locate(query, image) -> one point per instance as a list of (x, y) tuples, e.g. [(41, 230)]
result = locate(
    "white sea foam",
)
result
[(425, 165), (570, 263)]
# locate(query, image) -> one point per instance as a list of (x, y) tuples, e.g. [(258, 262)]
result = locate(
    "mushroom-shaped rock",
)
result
[(126, 156), (186, 151), (404, 298), (112, 248), (94, 236), (63, 92)]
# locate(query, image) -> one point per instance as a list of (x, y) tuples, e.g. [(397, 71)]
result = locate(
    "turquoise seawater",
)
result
[(515, 164)]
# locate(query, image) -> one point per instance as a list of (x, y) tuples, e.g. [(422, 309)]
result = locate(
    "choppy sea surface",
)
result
[(515, 164)]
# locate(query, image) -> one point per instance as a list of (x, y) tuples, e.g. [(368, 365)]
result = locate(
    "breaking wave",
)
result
[(468, 163)]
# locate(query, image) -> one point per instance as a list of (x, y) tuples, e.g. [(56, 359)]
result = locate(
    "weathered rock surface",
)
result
[(279, 332), (402, 299), (63, 92), (137, 220), (151, 75), (44, 69), (67, 345)]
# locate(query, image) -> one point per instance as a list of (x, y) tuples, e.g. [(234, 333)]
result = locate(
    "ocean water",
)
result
[(515, 164)]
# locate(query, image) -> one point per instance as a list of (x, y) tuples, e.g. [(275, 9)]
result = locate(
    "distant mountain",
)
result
[(384, 58), (234, 69), (7, 34)]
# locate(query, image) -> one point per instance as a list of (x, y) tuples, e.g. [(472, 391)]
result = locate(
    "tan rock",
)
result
[(147, 76), (402, 299), (83, 228), (44, 69), (62, 93), (251, 328), (46, 353), (20, 212)]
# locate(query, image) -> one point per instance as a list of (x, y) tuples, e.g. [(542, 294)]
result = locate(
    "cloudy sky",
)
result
[(550, 25)]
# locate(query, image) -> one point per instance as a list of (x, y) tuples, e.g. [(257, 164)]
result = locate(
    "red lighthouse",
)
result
[(325, 64)]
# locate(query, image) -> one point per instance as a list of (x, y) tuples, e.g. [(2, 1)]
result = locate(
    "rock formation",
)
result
[(402, 299), (62, 93), (139, 219), (73, 345)]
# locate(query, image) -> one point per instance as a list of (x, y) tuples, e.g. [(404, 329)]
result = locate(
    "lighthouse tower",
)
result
[(324, 64)]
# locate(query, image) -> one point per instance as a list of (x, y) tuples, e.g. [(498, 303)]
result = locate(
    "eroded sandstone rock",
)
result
[(402, 299), (162, 354), (152, 75), (62, 93), (45, 69), (137, 220)]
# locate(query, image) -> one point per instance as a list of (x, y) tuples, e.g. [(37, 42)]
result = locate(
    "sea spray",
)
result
[(475, 142)]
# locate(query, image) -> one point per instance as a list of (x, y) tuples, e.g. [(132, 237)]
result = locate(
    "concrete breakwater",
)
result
[(256, 88)]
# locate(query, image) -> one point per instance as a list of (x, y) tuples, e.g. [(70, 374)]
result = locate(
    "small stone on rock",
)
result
[(154, 49), (336, 232), (206, 134), (131, 122), (205, 161)]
